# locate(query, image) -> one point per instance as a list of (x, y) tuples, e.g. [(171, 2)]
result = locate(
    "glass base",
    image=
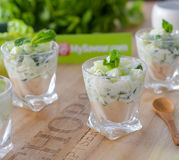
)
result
[(5, 149), (35, 103), (5, 138), (170, 83), (113, 130), (160, 87)]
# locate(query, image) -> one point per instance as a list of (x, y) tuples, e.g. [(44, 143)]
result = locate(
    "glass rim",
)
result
[(161, 6), (10, 85), (137, 35), (144, 66), (4, 49)]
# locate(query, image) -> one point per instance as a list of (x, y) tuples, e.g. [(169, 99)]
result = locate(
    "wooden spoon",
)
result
[(164, 108)]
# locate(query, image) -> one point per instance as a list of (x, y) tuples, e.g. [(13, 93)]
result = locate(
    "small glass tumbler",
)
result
[(114, 100), (33, 76), (162, 59), (5, 114)]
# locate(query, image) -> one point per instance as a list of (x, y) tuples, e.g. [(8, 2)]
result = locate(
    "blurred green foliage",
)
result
[(16, 28), (73, 16)]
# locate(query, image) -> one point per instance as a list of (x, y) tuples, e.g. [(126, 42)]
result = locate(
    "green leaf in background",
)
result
[(167, 26), (16, 28), (25, 5), (28, 18), (134, 14), (2, 67), (43, 36), (74, 16), (8, 11)]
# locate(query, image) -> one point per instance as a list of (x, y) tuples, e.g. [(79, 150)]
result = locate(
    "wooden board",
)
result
[(59, 131)]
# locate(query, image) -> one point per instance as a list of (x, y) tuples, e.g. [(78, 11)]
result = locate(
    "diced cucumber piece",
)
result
[(114, 72)]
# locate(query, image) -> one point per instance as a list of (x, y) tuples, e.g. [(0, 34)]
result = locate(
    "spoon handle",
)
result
[(172, 127)]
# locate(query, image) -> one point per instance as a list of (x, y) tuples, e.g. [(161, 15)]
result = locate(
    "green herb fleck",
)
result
[(105, 103), (134, 90), (103, 96), (113, 97), (157, 36), (20, 59), (108, 89), (164, 58), (36, 59), (113, 80), (167, 26), (114, 59), (175, 56), (139, 67), (121, 93), (20, 41)]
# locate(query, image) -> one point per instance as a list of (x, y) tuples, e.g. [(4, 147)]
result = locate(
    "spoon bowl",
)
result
[(163, 105), (164, 108)]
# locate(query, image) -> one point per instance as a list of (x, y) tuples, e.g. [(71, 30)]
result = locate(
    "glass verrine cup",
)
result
[(5, 115), (114, 100), (162, 58), (33, 75)]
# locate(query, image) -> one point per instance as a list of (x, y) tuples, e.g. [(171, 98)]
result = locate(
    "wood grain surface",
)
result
[(59, 131)]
